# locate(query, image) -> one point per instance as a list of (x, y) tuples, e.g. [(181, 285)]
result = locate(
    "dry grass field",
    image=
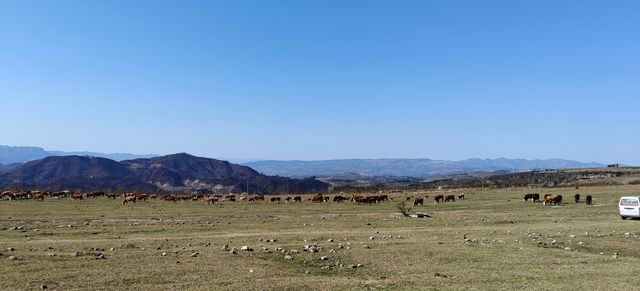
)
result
[(491, 240)]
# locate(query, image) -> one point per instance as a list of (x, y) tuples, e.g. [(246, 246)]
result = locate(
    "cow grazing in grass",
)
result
[(210, 200), (130, 198), (339, 199), (317, 198), (461, 196), (588, 200), (142, 197), (576, 198), (275, 199), (451, 198), (297, 199), (438, 198), (552, 199), (77, 196), (38, 196), (534, 197), (231, 198), (418, 201)]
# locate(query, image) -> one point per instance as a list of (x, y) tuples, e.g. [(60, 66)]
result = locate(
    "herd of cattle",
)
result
[(554, 199), (214, 199)]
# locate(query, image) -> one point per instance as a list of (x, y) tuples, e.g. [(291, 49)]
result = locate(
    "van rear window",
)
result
[(629, 202)]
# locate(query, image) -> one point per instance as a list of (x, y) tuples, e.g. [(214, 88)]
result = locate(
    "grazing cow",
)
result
[(326, 199), (130, 198), (317, 198), (111, 195), (210, 200), (451, 198), (588, 200), (418, 201), (576, 198), (297, 199), (552, 199), (38, 196), (77, 196), (461, 196), (275, 199), (231, 198), (534, 197), (438, 198), (362, 200), (339, 199)]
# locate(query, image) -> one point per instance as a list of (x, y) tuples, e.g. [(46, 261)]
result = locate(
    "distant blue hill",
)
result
[(424, 168), (21, 154)]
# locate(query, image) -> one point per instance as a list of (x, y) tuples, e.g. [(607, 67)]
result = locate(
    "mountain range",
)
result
[(171, 173), (21, 154), (13, 156), (422, 168)]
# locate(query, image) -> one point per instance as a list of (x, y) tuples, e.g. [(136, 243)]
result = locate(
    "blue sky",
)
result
[(324, 79)]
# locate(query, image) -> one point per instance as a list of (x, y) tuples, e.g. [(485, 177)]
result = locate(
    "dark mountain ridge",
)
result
[(177, 172)]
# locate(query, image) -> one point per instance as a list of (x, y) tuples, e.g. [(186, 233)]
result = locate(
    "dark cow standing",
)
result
[(438, 198), (534, 197), (588, 200), (577, 198), (451, 198), (418, 201)]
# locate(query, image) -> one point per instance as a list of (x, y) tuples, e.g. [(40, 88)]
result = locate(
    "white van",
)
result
[(629, 206)]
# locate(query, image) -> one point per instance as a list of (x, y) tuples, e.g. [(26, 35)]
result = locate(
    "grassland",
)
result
[(491, 240)]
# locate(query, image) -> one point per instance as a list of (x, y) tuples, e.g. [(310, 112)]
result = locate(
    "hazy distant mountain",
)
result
[(178, 172), (21, 154), (425, 168), (11, 154)]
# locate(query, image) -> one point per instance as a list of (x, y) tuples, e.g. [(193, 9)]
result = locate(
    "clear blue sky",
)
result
[(324, 79)]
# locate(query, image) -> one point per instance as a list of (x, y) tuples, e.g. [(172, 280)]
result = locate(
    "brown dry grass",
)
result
[(508, 244)]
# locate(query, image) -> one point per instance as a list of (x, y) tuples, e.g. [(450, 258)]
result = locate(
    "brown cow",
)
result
[(451, 198), (418, 201), (38, 196), (438, 198), (210, 200), (297, 199), (231, 198), (576, 198), (77, 196), (588, 200), (317, 198), (130, 198), (552, 199), (275, 199)]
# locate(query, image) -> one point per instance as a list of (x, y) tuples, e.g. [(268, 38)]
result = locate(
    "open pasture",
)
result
[(489, 240)]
